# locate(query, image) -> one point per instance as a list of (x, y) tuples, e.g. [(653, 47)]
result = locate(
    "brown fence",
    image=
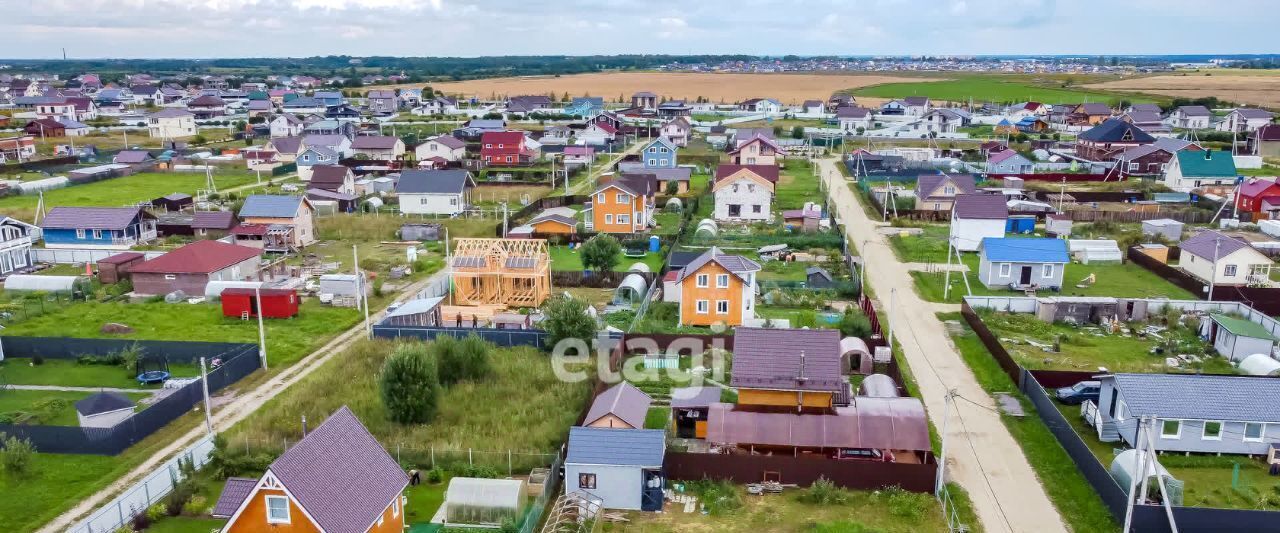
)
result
[(1057, 177), (1266, 300), (1096, 196), (1093, 215), (1052, 379), (802, 471), (989, 340)]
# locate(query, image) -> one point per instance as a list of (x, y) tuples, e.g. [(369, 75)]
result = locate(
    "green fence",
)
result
[(284, 169)]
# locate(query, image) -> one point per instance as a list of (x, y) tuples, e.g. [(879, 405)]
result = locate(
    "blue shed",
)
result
[(1020, 224)]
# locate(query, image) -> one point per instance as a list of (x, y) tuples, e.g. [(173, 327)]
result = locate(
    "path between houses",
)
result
[(981, 454), (238, 409), (590, 182)]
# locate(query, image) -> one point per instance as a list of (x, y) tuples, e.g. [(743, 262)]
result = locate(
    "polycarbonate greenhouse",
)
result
[(478, 501)]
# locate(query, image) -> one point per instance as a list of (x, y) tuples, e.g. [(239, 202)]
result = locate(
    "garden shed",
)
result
[(1078, 309), (481, 502), (1237, 338), (103, 409), (620, 406), (114, 268), (1260, 365), (855, 356), (275, 303), (623, 467), (1058, 225), (631, 290), (1167, 228), (423, 312), (690, 406), (420, 232)]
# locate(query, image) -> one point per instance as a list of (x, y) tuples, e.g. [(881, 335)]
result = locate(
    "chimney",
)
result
[(304, 425), (800, 375)]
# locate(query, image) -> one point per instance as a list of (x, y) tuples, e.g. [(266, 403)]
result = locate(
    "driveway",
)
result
[(981, 454)]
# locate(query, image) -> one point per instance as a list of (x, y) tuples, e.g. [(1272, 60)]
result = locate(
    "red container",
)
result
[(276, 303)]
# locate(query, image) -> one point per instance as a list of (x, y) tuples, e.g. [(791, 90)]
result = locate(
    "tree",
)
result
[(854, 323), (797, 132), (600, 253), (410, 385), (673, 187), (567, 318), (16, 455), (461, 360)]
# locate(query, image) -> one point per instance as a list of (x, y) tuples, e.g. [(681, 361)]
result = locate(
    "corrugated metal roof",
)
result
[(622, 447), (1201, 397), (271, 206), (624, 401), (875, 423), (233, 494), (103, 402), (102, 218), (1210, 244), (981, 206), (787, 359), (1014, 250), (200, 257), (434, 181)]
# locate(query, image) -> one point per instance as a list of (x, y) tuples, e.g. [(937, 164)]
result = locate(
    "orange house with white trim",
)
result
[(623, 205), (717, 288), (337, 479)]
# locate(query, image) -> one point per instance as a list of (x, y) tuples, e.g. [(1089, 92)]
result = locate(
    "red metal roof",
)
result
[(200, 257), (249, 229), (121, 258)]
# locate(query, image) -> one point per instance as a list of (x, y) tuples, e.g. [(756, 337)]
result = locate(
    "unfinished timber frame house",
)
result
[(514, 272)]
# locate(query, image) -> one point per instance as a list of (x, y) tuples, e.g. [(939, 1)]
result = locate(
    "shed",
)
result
[(176, 201), (341, 285), (689, 406), (1058, 225), (1078, 310), (112, 269), (103, 409), (1159, 252), (33, 282), (275, 303), (1020, 224), (818, 278), (1019, 262), (855, 356), (620, 406), (1260, 365), (481, 502), (878, 386), (420, 232), (1166, 228), (623, 467), (423, 312), (1237, 338), (975, 217), (631, 290), (1094, 250)]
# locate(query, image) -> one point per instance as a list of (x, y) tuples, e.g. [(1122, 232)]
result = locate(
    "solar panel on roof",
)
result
[(469, 262), (520, 262)]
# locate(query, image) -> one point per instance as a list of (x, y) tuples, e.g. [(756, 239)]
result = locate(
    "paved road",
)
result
[(228, 415), (981, 454)]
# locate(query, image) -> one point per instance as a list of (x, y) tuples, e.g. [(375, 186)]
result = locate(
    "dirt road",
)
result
[(229, 414), (981, 454), (586, 185)]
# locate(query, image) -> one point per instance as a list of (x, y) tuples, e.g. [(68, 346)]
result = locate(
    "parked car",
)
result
[(1078, 393)]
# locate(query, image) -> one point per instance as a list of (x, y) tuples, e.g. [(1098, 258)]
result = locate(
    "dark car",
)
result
[(1078, 393)]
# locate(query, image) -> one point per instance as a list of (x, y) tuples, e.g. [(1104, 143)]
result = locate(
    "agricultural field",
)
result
[(127, 190), (720, 88), (996, 88), (1253, 87)]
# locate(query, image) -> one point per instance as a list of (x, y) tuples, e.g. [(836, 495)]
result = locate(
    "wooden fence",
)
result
[(802, 471)]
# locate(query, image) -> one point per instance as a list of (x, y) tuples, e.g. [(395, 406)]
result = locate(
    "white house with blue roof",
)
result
[(621, 467), (1022, 263)]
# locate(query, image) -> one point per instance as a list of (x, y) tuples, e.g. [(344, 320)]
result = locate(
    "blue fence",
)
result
[(501, 337)]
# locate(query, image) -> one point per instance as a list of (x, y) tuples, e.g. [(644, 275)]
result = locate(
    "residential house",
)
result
[(132, 157), (622, 468), (312, 157), (674, 108), (718, 288), (1089, 114), (1265, 141), (677, 130), (768, 106), (585, 106), (446, 147), (1245, 119), (438, 105), (1238, 338), (342, 113), (340, 144), (596, 134), (505, 149), (990, 147), (45, 127), (756, 151), (16, 237), (1189, 412), (1023, 110), (1251, 191), (1108, 139), (434, 192), (1148, 121), (171, 123), (667, 178), (1144, 160), (381, 147), (1009, 161), (942, 121), (936, 192), (191, 267), (624, 204), (1190, 169), (894, 107), (109, 228), (524, 105), (916, 106), (55, 107), (330, 98), (812, 108), (1190, 117), (286, 148), (290, 219), (851, 119), (286, 125), (257, 108), (559, 135), (976, 217), (303, 105), (659, 153), (621, 406), (382, 101), (644, 100), (578, 156), (1022, 263), (338, 478), (207, 106), (410, 98), (17, 148), (1030, 125), (1220, 259), (333, 178), (781, 370), (212, 224), (744, 193), (72, 128), (329, 127)]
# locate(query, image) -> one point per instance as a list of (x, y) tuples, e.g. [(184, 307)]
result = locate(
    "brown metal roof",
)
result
[(870, 423), (787, 359)]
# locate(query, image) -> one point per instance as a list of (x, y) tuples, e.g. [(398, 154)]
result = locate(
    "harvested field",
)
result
[(1256, 88), (788, 88)]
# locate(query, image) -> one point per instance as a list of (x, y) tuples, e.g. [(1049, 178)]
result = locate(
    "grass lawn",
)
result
[(796, 185), (1087, 349), (121, 191), (186, 524), (523, 407), (928, 247), (657, 418), (1113, 279), (287, 339), (564, 259), (56, 481), (1074, 498), (424, 500), (783, 270), (668, 223), (862, 511), (47, 412), (69, 373), (1004, 89)]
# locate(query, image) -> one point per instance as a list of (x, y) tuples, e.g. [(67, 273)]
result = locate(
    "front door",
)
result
[(1025, 279), (651, 493)]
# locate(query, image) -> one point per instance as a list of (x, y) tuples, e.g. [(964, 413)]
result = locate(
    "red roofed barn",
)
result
[(191, 267)]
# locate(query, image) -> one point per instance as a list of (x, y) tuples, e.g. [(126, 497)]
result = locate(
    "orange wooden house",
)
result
[(337, 479), (717, 288), (623, 205), (787, 369), (554, 224)]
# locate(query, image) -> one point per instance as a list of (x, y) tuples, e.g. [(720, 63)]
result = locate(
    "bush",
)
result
[(600, 253), (823, 492), (461, 360), (410, 385), (141, 520), (567, 318), (225, 463), (16, 456), (37, 359), (435, 475), (854, 323), (719, 496), (157, 511), (910, 505), (480, 471)]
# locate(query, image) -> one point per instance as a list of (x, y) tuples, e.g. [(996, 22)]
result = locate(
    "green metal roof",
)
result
[(1242, 327), (1207, 163)]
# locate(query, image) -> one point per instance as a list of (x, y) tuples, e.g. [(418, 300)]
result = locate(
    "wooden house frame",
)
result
[(515, 272)]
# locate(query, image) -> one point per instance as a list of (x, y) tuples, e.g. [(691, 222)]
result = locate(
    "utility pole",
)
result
[(361, 297), (262, 330), (1139, 470), (1213, 275), (208, 408), (946, 276), (942, 450), (893, 296)]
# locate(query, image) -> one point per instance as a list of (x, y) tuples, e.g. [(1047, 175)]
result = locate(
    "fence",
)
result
[(598, 280), (284, 169), (501, 337), (145, 493), (802, 471), (1266, 300), (65, 256), (238, 360)]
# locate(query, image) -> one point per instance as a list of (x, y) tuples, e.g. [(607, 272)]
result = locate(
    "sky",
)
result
[(303, 28)]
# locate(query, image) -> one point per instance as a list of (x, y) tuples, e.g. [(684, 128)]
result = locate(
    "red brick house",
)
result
[(505, 149), (191, 267)]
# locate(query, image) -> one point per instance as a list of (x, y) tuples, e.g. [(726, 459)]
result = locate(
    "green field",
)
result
[(1115, 279), (69, 373), (127, 190), (994, 89), (796, 185)]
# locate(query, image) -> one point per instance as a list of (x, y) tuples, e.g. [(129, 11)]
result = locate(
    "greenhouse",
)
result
[(855, 356), (36, 283), (706, 228), (878, 386), (631, 291), (1125, 466), (481, 502), (1260, 365)]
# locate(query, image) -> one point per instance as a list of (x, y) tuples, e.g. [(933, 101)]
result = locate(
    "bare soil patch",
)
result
[(1252, 88)]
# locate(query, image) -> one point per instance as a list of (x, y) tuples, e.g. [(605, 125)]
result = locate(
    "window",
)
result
[(1229, 270), (1121, 408), (79, 234), (1170, 429), (702, 306), (508, 159), (1212, 430), (751, 187), (170, 277), (948, 190), (1006, 269), (704, 281), (756, 208), (735, 187), (586, 481), (621, 198), (600, 197), (722, 281), (652, 161), (488, 145), (722, 307), (499, 145), (453, 200), (1253, 431), (1133, 167), (608, 219), (624, 219), (277, 510), (1046, 270)]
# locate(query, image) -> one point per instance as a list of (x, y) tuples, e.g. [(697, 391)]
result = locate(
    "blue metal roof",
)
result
[(1025, 250), (270, 206), (622, 447)]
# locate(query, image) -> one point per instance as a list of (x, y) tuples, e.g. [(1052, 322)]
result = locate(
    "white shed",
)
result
[(1237, 338), (1168, 228), (623, 467), (103, 409), (341, 285), (1094, 250)]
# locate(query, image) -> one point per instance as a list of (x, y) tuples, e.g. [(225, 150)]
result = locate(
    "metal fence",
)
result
[(501, 337), (145, 493), (68, 256)]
